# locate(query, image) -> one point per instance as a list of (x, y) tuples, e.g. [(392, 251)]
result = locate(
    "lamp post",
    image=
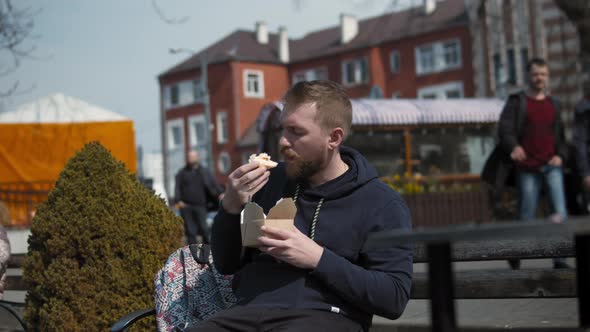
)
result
[(205, 101)]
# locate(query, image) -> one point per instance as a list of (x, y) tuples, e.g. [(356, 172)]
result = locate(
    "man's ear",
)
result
[(336, 138)]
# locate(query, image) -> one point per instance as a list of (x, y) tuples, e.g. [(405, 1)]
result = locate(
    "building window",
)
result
[(442, 91), (437, 57), (222, 130), (253, 83), (174, 95), (511, 66), (355, 71), (224, 163), (451, 54), (498, 77), (310, 75), (198, 90), (175, 134), (197, 131), (183, 93), (394, 62)]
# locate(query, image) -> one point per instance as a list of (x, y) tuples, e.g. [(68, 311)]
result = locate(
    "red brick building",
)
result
[(422, 52)]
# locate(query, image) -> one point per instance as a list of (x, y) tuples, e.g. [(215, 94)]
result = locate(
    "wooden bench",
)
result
[(441, 246)]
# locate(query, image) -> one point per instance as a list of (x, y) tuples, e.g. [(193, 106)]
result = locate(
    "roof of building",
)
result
[(380, 29), (241, 45), (59, 108)]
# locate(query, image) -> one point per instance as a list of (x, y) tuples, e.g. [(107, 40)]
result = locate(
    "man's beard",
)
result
[(298, 169), (538, 86)]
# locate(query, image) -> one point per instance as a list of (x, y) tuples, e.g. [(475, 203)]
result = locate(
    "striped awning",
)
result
[(383, 112)]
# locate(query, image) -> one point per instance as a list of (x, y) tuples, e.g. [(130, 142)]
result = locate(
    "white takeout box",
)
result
[(281, 216)]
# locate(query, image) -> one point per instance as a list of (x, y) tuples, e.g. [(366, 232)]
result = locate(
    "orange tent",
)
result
[(39, 138)]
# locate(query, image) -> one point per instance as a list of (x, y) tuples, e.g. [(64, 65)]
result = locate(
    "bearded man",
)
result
[(313, 277)]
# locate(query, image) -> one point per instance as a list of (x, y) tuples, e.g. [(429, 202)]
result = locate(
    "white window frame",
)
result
[(222, 131), (438, 54), (357, 79), (193, 138), (394, 66), (170, 124), (254, 94), (440, 90), (310, 74)]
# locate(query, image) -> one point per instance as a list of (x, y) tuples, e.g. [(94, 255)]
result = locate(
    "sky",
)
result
[(110, 52)]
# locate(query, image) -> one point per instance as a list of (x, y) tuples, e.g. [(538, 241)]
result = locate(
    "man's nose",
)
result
[(283, 142)]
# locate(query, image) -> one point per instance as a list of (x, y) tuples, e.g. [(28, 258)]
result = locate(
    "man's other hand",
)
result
[(291, 246), (555, 161), (242, 184), (518, 154)]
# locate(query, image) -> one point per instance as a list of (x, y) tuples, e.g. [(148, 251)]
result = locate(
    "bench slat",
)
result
[(16, 261), (546, 247), (15, 283), (505, 284)]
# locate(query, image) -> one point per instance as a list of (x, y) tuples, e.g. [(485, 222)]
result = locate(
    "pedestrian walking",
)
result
[(196, 193), (532, 144)]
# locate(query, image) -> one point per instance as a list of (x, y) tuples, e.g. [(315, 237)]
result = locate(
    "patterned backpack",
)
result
[(189, 289)]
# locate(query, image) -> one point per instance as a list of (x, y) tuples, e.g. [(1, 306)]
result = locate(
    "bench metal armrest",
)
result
[(125, 322), (8, 306)]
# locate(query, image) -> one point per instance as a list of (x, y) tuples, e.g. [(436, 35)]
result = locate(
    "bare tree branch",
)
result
[(16, 28), (166, 19)]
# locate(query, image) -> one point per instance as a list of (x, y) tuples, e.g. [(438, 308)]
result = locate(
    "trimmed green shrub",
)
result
[(95, 246)]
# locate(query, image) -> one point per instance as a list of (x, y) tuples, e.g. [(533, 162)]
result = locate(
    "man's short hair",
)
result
[(332, 103), (539, 62)]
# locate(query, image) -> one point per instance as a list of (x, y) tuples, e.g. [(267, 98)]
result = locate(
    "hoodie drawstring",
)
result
[(315, 214)]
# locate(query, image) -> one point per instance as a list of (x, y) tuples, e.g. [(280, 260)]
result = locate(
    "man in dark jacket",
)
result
[(195, 191), (531, 134), (313, 277)]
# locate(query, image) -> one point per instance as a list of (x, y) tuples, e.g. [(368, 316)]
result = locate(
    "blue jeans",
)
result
[(530, 187)]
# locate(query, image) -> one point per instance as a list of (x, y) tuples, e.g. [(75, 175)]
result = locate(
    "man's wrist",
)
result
[(229, 210)]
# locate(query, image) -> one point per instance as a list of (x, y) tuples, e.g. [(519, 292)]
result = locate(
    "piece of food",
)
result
[(263, 159)]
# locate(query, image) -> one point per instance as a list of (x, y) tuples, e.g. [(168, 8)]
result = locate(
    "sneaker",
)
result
[(561, 265), (514, 264)]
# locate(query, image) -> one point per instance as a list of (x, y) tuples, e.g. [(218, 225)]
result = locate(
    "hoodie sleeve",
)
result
[(381, 283), (226, 242)]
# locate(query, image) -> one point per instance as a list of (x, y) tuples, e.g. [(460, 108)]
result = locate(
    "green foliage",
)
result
[(95, 246), (417, 184)]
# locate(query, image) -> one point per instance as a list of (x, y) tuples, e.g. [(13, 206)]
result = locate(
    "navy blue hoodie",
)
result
[(346, 281)]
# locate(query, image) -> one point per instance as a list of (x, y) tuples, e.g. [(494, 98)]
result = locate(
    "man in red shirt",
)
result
[(531, 132)]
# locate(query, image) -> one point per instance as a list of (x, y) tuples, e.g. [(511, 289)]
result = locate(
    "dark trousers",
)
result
[(195, 223), (263, 319)]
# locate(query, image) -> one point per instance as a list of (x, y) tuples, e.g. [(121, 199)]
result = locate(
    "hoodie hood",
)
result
[(358, 174)]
